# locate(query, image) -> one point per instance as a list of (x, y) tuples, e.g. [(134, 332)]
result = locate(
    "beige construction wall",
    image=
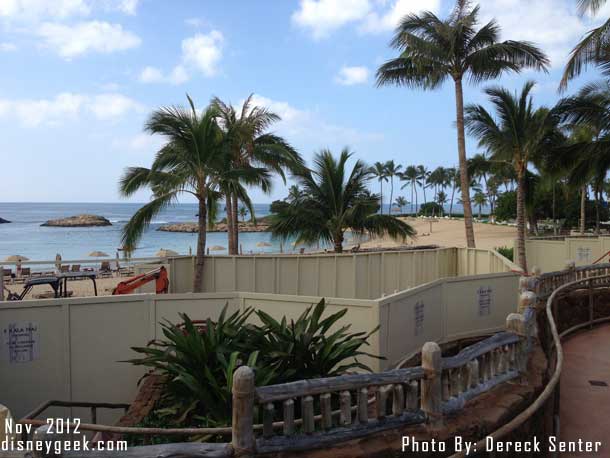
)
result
[(358, 276), (551, 254), (80, 342)]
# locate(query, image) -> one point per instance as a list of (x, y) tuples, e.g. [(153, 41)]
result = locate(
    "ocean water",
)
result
[(25, 236)]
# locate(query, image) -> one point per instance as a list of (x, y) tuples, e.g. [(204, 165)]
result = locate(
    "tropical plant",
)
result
[(479, 200), (197, 365), (453, 175), (411, 176), (193, 161), (507, 252), (392, 170), (311, 346), (433, 50), (248, 144), (441, 200), (593, 49), (243, 211), (401, 203), (334, 200), (379, 171), (519, 133), (423, 177)]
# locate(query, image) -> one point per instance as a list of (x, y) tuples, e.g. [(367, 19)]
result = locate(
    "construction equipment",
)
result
[(58, 282), (159, 276)]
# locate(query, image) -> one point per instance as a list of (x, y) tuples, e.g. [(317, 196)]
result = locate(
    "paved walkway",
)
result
[(585, 407)]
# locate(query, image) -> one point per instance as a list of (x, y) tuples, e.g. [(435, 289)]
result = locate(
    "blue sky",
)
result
[(79, 78)]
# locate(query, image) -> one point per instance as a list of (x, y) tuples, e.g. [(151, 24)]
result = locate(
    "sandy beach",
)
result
[(79, 288), (448, 233)]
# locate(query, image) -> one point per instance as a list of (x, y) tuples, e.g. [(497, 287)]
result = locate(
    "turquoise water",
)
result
[(24, 235)]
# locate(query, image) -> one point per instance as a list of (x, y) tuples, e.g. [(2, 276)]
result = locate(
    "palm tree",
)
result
[(480, 199), (193, 161), (243, 211), (294, 194), (411, 176), (454, 181), (517, 136), (380, 172), (401, 202), (335, 200), (423, 177), (441, 200), (593, 49), (249, 144), (432, 50), (392, 170)]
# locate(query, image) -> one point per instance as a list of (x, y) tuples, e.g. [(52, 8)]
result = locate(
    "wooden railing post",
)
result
[(431, 387), (243, 412), (570, 266)]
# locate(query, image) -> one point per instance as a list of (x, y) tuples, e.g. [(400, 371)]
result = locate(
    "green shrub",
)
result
[(507, 252), (198, 362), (431, 208)]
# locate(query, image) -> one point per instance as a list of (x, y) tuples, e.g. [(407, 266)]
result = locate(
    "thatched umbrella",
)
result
[(263, 244), (16, 258), (164, 253), (98, 254), (217, 248)]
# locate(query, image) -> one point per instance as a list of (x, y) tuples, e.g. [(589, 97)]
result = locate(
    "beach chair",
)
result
[(65, 269), (7, 275), (105, 270), (26, 272), (75, 268)]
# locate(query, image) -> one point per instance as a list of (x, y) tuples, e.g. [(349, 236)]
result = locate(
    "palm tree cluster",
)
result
[(212, 154)]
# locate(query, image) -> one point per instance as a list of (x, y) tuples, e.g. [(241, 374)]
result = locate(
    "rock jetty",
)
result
[(3, 221), (78, 221), (218, 227)]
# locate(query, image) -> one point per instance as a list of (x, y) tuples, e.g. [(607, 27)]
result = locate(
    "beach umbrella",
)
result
[(163, 253), (16, 258), (217, 248), (98, 254), (262, 244)]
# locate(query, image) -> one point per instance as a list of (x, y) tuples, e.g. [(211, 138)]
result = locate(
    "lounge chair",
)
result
[(65, 269), (7, 275), (75, 268), (105, 270)]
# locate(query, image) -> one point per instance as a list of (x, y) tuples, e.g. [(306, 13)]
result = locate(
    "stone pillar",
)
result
[(243, 412)]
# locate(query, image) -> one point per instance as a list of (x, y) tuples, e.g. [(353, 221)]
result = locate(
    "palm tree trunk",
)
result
[(411, 198), (235, 204), (596, 212), (381, 197), (583, 202), (521, 219), (229, 211), (554, 215), (416, 203), (391, 193), (338, 241), (451, 205), (201, 239), (464, 182)]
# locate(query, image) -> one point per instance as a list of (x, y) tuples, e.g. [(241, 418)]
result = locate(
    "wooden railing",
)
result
[(311, 414)]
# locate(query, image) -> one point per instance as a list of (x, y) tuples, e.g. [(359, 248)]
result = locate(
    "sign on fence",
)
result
[(419, 317), (484, 299), (21, 340)]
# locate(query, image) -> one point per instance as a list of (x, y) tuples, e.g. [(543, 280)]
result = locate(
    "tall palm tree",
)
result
[(441, 200), (194, 162), (593, 49), (518, 134), (454, 181), (432, 50), (392, 169), (423, 177), (335, 200), (249, 144), (411, 176), (380, 172)]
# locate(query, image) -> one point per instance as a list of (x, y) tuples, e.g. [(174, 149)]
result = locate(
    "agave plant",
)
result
[(304, 349), (198, 364)]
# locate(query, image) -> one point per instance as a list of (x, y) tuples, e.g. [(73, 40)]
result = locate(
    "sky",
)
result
[(79, 77)]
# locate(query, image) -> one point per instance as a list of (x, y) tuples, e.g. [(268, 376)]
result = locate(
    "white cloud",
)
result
[(32, 9), (349, 76), (67, 106), (298, 124), (85, 37), (8, 47), (203, 51), (388, 19), (554, 25), (128, 6), (200, 53), (322, 17)]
